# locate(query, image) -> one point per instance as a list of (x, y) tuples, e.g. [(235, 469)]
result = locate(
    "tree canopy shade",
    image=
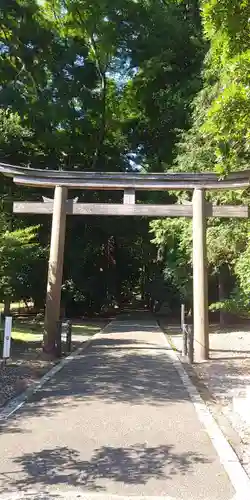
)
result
[(90, 79), (155, 86)]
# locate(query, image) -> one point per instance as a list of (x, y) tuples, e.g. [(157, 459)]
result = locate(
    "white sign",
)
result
[(7, 336), (64, 332)]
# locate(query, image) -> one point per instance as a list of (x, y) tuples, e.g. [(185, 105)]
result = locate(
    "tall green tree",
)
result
[(98, 86), (218, 139)]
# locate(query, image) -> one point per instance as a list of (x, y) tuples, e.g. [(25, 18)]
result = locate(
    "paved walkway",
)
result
[(116, 420)]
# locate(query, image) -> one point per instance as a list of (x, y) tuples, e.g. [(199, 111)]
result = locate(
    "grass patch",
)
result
[(26, 331), (88, 329), (26, 336), (13, 306)]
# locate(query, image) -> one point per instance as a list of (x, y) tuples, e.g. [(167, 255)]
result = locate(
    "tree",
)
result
[(18, 249), (20, 252), (99, 86), (218, 139)]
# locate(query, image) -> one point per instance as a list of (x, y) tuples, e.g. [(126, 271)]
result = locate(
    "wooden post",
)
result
[(183, 331), (182, 316), (190, 344), (55, 270), (200, 283)]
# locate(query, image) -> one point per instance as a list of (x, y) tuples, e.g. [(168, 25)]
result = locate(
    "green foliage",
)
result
[(10, 127), (17, 250), (227, 122), (218, 140), (226, 24), (13, 134), (226, 240), (110, 86), (92, 85), (165, 82), (243, 270), (97, 82), (173, 237)]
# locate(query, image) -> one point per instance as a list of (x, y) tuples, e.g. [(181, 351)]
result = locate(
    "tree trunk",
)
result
[(102, 126), (118, 283), (143, 281), (38, 304), (223, 291), (7, 303)]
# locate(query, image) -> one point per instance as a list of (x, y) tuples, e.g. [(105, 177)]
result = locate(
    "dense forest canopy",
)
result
[(151, 85)]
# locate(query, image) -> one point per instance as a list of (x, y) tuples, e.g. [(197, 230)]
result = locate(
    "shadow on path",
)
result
[(111, 370), (132, 465)]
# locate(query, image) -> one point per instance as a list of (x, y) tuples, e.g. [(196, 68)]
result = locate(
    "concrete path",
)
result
[(116, 420)]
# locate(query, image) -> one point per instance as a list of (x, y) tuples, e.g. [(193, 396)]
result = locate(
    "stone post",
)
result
[(55, 269), (200, 282)]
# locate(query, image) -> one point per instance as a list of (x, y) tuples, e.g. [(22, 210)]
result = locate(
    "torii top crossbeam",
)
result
[(74, 179)]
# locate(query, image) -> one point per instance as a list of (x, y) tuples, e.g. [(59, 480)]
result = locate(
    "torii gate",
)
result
[(129, 183)]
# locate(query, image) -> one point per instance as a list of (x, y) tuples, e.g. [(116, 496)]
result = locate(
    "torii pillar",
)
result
[(200, 278), (55, 269)]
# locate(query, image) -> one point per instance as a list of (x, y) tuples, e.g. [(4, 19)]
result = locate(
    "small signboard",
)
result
[(7, 337), (66, 331)]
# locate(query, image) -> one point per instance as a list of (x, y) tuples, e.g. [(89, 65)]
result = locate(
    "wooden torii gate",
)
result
[(129, 183)]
